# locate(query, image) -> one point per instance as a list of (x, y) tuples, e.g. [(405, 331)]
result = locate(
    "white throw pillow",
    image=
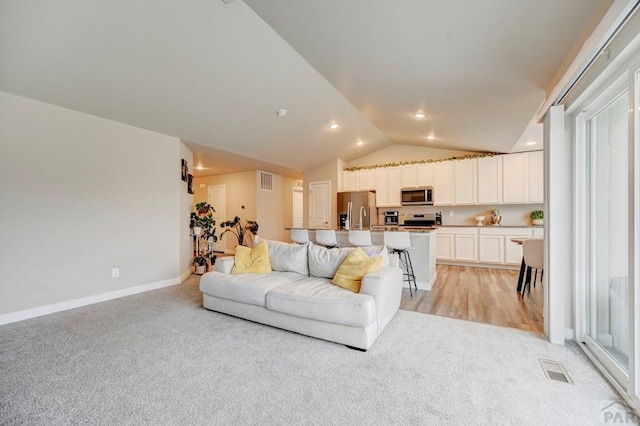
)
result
[(375, 251), (286, 257), (324, 262)]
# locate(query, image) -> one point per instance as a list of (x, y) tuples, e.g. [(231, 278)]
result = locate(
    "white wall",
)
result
[(80, 195), (275, 208), (331, 172)]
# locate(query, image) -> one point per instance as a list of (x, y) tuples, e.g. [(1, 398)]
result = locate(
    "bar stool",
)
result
[(400, 243), (360, 238), (300, 236), (326, 237)]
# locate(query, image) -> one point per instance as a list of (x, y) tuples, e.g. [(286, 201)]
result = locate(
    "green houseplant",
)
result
[(239, 230), (203, 226), (537, 217)]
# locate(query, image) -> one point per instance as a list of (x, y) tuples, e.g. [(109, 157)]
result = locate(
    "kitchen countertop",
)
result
[(491, 226), (382, 228)]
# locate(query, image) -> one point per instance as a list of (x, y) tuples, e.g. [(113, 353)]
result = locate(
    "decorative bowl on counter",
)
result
[(480, 219)]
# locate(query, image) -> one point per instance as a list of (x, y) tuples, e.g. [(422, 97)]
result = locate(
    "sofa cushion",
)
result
[(286, 257), (318, 299), (375, 251), (355, 266), (252, 260), (324, 262), (245, 288)]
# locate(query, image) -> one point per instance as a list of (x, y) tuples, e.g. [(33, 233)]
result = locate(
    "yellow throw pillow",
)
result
[(354, 267), (252, 261)]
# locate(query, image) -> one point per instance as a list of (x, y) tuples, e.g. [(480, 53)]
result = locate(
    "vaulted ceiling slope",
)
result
[(215, 74), (479, 69)]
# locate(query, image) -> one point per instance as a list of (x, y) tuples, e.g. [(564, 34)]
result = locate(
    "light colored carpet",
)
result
[(160, 358)]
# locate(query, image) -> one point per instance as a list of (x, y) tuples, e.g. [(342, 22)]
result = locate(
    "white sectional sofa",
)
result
[(298, 295)]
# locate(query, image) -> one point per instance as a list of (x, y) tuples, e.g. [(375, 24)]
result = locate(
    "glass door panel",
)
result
[(608, 222)]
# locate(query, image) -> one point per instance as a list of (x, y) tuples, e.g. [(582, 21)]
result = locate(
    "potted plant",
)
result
[(203, 225), (537, 217), (239, 230), (200, 262)]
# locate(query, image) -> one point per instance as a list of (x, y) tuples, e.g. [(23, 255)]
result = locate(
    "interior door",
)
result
[(296, 208), (216, 195), (320, 205)]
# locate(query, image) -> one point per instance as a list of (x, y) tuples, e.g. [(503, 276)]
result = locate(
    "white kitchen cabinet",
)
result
[(536, 177), (465, 181), (443, 183), (425, 174), (394, 187), (466, 247), (513, 251), (408, 176), (515, 178), (366, 179), (387, 186), (445, 246), (490, 180), (350, 180), (491, 248)]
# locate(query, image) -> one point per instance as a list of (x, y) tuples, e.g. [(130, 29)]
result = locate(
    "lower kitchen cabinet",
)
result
[(482, 245)]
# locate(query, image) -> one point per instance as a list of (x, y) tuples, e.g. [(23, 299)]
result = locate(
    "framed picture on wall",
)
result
[(185, 169), (190, 184)]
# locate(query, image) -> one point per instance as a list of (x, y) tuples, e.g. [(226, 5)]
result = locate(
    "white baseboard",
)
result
[(83, 301), (569, 334), (186, 274)]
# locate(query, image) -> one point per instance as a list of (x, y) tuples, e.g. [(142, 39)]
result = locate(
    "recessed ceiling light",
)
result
[(199, 167), (419, 115), (531, 143), (360, 142), (334, 126), (431, 137)]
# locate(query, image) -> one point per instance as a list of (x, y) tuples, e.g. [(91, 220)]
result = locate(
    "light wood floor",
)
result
[(481, 295)]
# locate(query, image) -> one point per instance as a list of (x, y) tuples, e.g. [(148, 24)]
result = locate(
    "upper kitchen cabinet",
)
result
[(443, 183), (358, 180), (350, 180), (408, 176), (490, 180), (387, 181), (367, 179), (522, 179), (536, 177), (425, 174), (515, 178), (465, 178)]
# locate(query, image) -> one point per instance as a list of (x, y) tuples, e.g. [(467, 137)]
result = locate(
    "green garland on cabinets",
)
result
[(404, 163)]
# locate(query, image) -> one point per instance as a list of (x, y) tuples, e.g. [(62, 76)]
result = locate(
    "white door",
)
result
[(296, 208), (319, 205), (216, 196)]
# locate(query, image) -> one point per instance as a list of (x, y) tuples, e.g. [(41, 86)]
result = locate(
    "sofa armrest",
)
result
[(224, 264), (385, 286)]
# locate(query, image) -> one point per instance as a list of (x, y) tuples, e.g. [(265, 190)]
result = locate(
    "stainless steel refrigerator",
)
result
[(352, 206)]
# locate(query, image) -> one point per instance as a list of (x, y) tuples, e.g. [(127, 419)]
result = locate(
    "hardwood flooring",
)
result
[(481, 295)]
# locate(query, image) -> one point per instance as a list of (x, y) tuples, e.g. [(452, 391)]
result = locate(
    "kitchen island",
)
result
[(423, 253)]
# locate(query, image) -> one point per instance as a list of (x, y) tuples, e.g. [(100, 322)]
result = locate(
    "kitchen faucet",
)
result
[(362, 210)]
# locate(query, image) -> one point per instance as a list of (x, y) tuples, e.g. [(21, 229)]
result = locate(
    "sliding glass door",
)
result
[(607, 196)]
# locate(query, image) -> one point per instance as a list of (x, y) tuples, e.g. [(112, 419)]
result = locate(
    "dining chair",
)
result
[(533, 253)]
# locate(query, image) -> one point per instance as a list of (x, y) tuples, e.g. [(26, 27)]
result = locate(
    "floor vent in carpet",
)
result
[(555, 371)]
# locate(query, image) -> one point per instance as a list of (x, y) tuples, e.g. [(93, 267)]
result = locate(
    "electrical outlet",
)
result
[(450, 213), (115, 272)]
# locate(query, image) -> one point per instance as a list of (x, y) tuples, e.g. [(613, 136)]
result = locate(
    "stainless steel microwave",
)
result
[(417, 196)]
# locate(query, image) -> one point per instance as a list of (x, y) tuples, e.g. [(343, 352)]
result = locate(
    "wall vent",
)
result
[(266, 181)]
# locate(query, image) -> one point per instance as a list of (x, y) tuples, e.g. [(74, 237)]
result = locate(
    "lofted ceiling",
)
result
[(215, 74)]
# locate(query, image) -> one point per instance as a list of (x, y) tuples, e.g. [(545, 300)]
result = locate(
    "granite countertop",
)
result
[(382, 228), (491, 226)]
